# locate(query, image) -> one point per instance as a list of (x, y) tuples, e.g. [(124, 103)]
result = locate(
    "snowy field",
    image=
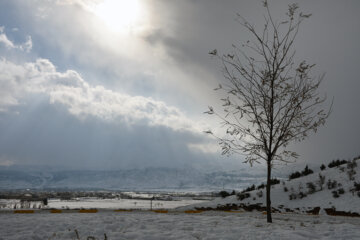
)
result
[(87, 203), (175, 225), (119, 203)]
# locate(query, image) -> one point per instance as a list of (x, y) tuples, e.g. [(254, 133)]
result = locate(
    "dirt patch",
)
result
[(229, 207), (333, 212), (314, 211), (289, 210)]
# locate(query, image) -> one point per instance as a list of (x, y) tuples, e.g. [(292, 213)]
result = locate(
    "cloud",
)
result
[(26, 46), (84, 100)]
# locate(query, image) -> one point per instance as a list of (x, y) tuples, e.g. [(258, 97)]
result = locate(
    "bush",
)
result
[(292, 196), (261, 186), (355, 189), (294, 175), (311, 187), (274, 181), (331, 184), (335, 194), (341, 191), (301, 195), (224, 194), (249, 189), (297, 174), (306, 171), (259, 194), (351, 173), (285, 189), (322, 167), (242, 196), (351, 164), (357, 186), (336, 163), (358, 194)]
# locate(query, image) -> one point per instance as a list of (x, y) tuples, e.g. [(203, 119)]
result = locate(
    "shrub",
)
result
[(301, 195), (285, 189), (292, 196), (242, 196), (311, 187), (233, 193), (306, 171), (351, 174), (336, 163), (351, 164), (331, 184), (357, 186), (259, 194), (274, 181), (249, 188), (224, 194), (297, 174), (322, 167), (294, 175), (341, 191), (260, 186), (335, 194), (358, 194)]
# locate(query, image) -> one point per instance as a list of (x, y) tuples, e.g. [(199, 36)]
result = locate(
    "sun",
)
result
[(119, 15)]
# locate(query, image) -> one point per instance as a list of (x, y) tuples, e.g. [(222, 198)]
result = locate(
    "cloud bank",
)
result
[(82, 99)]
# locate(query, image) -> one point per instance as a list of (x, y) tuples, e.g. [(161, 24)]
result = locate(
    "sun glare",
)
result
[(119, 15)]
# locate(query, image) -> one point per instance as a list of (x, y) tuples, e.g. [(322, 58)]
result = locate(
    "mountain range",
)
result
[(130, 179)]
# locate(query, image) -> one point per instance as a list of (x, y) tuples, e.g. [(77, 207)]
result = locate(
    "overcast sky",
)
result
[(123, 84)]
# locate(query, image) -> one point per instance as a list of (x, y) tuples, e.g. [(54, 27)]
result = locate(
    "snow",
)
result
[(175, 225), (90, 203), (118, 203), (348, 202)]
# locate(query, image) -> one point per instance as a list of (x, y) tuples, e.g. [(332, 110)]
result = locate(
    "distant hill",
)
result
[(135, 179), (334, 190)]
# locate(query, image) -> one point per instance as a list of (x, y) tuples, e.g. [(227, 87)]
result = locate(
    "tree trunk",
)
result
[(268, 187)]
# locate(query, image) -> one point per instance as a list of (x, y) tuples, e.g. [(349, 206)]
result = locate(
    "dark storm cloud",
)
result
[(329, 38)]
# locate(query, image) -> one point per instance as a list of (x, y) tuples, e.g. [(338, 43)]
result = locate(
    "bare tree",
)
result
[(270, 101)]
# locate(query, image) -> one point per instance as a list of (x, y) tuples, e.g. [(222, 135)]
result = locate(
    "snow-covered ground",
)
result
[(6, 204), (175, 225), (296, 194), (119, 203)]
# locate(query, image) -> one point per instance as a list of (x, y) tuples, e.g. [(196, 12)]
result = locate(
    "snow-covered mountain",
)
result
[(330, 190), (135, 179)]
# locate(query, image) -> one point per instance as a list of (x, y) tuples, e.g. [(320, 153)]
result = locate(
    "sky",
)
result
[(105, 84)]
